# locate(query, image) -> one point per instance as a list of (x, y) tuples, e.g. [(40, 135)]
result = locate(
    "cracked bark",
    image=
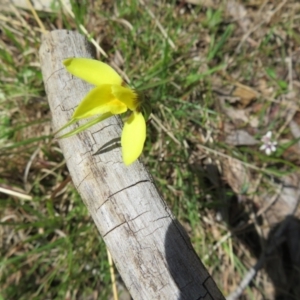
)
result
[(149, 247)]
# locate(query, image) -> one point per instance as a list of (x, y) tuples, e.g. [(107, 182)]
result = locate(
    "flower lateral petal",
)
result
[(99, 101), (92, 71), (133, 138)]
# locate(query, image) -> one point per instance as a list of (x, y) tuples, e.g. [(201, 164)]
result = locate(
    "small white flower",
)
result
[(268, 145)]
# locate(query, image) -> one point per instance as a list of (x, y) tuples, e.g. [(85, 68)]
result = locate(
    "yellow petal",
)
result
[(133, 137), (126, 95), (92, 71), (98, 101)]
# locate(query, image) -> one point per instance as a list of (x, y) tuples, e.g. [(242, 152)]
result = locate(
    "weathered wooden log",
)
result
[(152, 252)]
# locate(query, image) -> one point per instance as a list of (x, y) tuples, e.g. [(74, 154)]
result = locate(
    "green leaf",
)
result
[(192, 78), (85, 126)]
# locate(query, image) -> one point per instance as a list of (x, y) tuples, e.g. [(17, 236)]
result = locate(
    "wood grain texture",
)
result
[(149, 247)]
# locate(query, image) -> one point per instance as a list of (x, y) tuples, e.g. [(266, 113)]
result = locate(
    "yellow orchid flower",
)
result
[(110, 97)]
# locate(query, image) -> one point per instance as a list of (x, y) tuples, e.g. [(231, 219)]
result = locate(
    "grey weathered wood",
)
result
[(151, 251)]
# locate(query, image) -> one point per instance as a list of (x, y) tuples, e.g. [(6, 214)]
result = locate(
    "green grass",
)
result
[(50, 247)]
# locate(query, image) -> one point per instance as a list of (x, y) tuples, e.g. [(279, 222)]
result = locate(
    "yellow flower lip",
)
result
[(126, 95), (109, 97)]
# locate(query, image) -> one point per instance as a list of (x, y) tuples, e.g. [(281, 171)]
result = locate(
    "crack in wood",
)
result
[(132, 185), (77, 186), (112, 195), (117, 226)]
